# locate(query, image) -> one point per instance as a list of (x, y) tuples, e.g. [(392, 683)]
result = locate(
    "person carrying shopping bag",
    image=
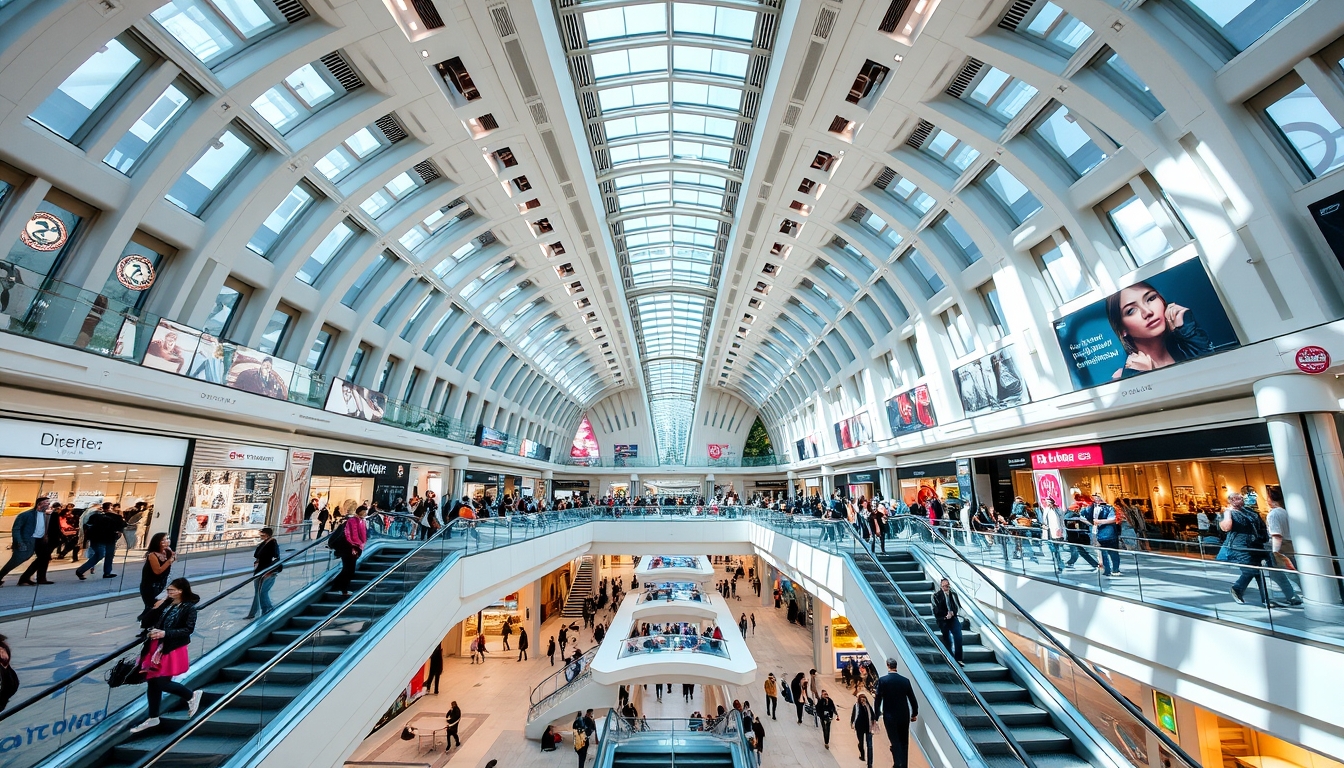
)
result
[(170, 624)]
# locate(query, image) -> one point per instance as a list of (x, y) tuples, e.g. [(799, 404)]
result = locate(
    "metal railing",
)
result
[(560, 683)]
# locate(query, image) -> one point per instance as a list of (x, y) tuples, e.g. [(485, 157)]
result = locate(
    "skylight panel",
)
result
[(700, 179), (695, 150), (641, 152), (630, 61), (689, 58), (636, 126), (695, 197), (706, 126), (641, 179), (627, 96), (713, 21), (703, 95), (628, 21)]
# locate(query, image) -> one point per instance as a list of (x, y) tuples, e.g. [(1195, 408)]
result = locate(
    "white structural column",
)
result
[(1288, 403), (827, 482), (458, 475), (823, 654), (886, 472), (529, 607)]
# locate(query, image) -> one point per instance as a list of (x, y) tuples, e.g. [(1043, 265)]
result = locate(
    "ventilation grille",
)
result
[(791, 115), (487, 122), (538, 111), (825, 23), (427, 171), (885, 178), (486, 238), (342, 71), (1016, 13), (428, 13), (391, 128), (292, 10), (503, 21), (964, 78), (892, 18), (921, 133), (857, 214)]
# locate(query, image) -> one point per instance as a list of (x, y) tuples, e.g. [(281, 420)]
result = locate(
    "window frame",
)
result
[(1059, 240), (256, 148), (147, 59)]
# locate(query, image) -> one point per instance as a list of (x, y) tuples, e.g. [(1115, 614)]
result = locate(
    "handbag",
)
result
[(809, 709), (126, 671)]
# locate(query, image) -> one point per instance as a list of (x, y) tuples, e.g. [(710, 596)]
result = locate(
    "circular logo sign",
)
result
[(1312, 359), (44, 232), (135, 272)]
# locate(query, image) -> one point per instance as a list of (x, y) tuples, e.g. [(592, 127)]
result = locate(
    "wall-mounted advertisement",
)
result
[(252, 371), (531, 449), (349, 399), (854, 431), (911, 411), (808, 447), (1169, 318), (491, 438), (622, 453), (171, 348), (991, 383), (584, 450)]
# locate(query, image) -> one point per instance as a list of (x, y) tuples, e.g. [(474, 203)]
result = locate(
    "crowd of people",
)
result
[(49, 531)]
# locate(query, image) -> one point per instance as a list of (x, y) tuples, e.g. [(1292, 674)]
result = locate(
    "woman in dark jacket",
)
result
[(170, 624), (9, 679), (796, 689)]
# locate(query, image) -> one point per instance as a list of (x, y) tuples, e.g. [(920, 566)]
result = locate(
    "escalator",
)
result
[(219, 738), (674, 743), (1031, 725), (651, 757)]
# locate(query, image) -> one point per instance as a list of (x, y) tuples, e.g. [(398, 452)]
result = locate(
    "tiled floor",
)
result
[(496, 693)]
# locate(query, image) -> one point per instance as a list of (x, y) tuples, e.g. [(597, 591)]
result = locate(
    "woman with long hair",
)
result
[(1153, 332), (170, 623), (159, 559)]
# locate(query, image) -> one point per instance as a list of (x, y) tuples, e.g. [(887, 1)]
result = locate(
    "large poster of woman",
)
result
[(1169, 318), (171, 348)]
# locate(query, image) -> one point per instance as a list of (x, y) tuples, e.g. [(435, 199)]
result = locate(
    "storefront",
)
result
[(569, 489), (485, 487), (857, 485), (923, 482), (1168, 478), (490, 622), (346, 482), (846, 643), (426, 478), (82, 467), (235, 492)]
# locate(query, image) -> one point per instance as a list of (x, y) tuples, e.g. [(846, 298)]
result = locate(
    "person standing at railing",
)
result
[(896, 704)]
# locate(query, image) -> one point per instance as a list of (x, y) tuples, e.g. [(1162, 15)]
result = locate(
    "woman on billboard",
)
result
[(1154, 333)]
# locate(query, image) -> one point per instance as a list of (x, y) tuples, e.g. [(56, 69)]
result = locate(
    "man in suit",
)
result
[(896, 704), (30, 528), (947, 611)]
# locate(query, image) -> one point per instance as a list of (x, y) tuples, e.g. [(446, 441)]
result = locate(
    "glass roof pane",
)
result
[(695, 19), (641, 152), (703, 95), (695, 150), (689, 58), (626, 22), (708, 126), (636, 126), (630, 61), (626, 96)]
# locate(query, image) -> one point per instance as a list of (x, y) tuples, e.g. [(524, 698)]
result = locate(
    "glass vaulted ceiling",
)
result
[(669, 92)]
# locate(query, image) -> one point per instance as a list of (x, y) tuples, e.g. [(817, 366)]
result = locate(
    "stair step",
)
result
[(321, 654), (230, 721), (1002, 690), (260, 696)]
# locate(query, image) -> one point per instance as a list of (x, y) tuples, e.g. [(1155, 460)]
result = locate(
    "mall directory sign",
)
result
[(1165, 319)]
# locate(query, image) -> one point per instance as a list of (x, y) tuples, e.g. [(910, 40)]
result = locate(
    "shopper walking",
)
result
[(348, 541), (435, 669), (1106, 523), (266, 569), (9, 679), (564, 640), (550, 650), (758, 730), (506, 632), (580, 741), (522, 644), (825, 709), (159, 559), (46, 536), (947, 611), (896, 704), (170, 622), (453, 717), (102, 530), (862, 719), (797, 688), (1053, 524), (771, 696), (1246, 545)]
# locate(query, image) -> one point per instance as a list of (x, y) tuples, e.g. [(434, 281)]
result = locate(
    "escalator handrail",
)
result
[(191, 725), (1019, 751), (587, 658), (1167, 742), (89, 668)]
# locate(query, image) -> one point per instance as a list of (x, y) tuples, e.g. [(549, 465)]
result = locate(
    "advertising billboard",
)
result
[(854, 431), (911, 411), (1166, 319), (991, 383), (808, 447), (491, 438), (350, 399)]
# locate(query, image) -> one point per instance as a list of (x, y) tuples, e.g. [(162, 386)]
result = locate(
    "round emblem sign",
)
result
[(44, 232), (135, 272), (1312, 359)]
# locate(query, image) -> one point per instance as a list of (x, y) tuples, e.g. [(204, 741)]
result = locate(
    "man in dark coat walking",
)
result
[(895, 703)]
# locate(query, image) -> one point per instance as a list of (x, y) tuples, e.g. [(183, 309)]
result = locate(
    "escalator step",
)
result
[(268, 696), (1002, 690), (323, 654), (230, 721), (195, 751), (1040, 738), (288, 673)]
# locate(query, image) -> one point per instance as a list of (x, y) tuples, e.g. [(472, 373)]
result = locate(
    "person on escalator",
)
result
[(264, 558), (947, 612), (171, 623), (353, 534)]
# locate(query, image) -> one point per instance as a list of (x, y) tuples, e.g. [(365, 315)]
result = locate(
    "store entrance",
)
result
[(144, 493), (342, 493)]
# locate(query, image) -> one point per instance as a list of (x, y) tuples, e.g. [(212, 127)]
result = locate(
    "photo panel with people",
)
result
[(171, 348), (991, 383), (258, 373), (350, 399), (911, 411), (1165, 319)]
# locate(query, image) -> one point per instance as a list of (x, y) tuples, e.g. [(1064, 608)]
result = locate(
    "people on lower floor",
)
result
[(861, 719), (797, 688), (435, 669), (453, 718), (771, 696), (522, 643), (825, 709)]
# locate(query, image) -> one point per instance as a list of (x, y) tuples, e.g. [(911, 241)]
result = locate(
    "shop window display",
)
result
[(135, 488), (228, 504), (490, 622)]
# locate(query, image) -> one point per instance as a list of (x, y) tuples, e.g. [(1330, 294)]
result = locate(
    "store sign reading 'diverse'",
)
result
[(1064, 458)]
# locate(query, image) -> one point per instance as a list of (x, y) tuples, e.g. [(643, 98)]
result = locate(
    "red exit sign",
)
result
[(1064, 458)]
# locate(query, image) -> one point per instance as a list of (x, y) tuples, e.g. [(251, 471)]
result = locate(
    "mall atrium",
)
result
[(414, 383)]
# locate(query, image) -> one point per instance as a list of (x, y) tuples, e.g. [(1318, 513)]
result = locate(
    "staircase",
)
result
[(580, 589), (227, 731), (1030, 724), (1235, 740)]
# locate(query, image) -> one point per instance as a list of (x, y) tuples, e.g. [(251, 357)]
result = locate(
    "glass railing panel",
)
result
[(647, 644)]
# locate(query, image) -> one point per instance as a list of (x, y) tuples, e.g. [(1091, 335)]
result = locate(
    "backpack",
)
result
[(786, 692), (337, 540), (580, 739)]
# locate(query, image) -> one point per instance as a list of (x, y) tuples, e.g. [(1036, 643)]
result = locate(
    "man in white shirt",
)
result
[(1053, 524)]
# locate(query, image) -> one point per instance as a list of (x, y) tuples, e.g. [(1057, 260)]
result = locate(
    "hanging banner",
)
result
[(1049, 485), (296, 489)]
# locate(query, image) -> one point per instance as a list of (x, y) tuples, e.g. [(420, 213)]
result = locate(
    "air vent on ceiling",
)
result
[(884, 178), (892, 18), (292, 10), (538, 111), (1016, 13), (503, 21), (963, 79), (568, 190), (391, 128), (791, 114), (428, 13), (487, 122), (486, 238), (920, 134), (825, 22), (811, 60), (427, 171), (342, 71)]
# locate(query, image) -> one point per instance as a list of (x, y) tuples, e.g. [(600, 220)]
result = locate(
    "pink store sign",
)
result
[(1065, 458)]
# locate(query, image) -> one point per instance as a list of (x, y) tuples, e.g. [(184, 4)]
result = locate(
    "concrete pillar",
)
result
[(823, 655), (1291, 405), (886, 467), (827, 482), (544, 488), (635, 490), (709, 487), (529, 614), (792, 478), (457, 475)]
